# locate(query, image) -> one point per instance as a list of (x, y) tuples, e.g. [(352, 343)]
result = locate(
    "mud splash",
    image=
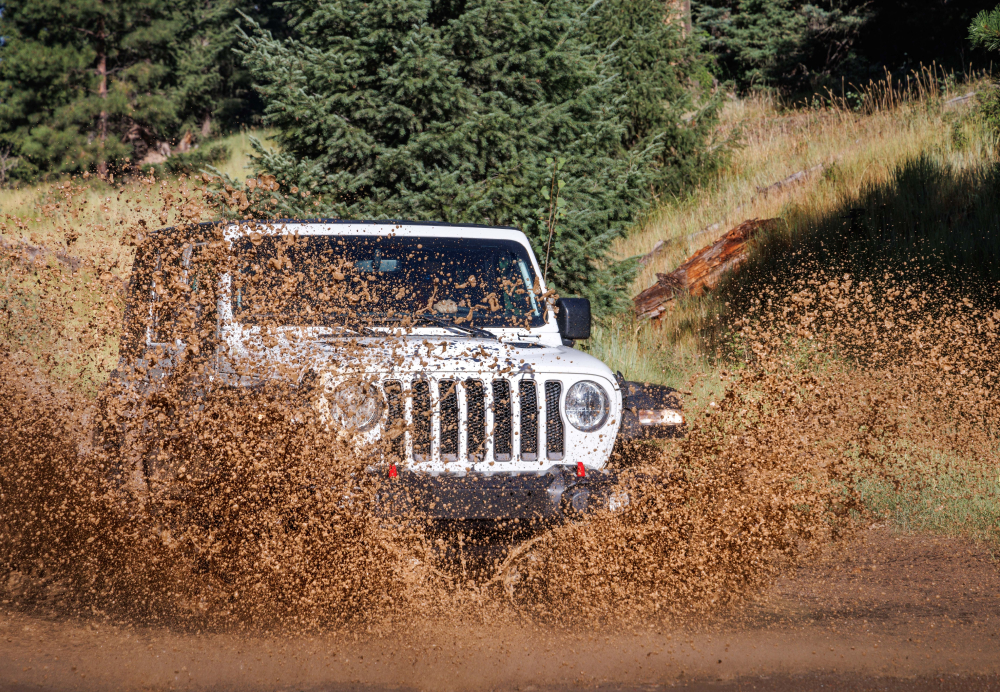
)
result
[(844, 400)]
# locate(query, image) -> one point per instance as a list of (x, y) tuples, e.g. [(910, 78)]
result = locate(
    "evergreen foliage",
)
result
[(985, 32), (800, 47), (88, 83), (902, 35), (666, 86), (788, 44), (73, 71), (490, 111)]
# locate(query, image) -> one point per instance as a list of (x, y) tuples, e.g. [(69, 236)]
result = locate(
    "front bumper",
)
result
[(558, 493)]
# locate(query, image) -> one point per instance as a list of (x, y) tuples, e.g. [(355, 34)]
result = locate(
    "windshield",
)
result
[(383, 280)]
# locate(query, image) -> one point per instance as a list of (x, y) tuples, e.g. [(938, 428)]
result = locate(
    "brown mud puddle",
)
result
[(885, 611)]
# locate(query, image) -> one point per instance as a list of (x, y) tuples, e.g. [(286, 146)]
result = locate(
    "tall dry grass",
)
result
[(851, 146), (84, 216)]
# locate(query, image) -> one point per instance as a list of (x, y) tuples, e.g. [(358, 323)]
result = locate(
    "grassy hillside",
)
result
[(90, 205), (920, 136), (881, 342)]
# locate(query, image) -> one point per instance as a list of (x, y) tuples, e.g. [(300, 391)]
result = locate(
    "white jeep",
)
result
[(437, 346)]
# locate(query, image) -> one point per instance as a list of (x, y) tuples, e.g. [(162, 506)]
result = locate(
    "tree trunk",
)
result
[(703, 270), (6, 162), (206, 126), (686, 16), (102, 92)]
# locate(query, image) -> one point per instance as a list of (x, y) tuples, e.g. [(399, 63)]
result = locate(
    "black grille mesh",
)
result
[(449, 419), (395, 422), (554, 444), (527, 395), (502, 443), (421, 420), (475, 402)]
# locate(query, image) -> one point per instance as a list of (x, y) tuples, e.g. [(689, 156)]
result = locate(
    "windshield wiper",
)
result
[(449, 324), (359, 330)]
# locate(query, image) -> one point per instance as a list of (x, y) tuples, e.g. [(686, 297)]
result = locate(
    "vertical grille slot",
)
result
[(395, 422), (527, 395), (553, 421), (475, 403), (502, 443), (448, 390), (421, 420)]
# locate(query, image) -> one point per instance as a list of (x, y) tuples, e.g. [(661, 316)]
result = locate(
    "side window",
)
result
[(183, 292)]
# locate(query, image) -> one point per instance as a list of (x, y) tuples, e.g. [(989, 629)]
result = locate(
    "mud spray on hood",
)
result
[(212, 488)]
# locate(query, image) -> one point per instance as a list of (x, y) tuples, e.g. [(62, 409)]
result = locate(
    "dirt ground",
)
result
[(885, 612)]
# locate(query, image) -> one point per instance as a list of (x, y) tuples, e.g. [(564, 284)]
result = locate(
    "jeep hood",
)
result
[(397, 356)]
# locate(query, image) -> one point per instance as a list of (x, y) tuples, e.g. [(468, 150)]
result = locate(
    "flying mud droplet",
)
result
[(208, 487)]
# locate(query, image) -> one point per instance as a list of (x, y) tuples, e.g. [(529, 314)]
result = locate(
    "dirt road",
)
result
[(885, 612)]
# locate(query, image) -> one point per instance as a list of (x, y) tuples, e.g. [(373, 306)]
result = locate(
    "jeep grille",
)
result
[(473, 420)]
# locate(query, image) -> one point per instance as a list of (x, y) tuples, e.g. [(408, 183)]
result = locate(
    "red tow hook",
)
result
[(580, 471), (393, 473)]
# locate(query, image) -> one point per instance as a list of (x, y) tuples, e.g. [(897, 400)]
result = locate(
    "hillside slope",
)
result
[(843, 155)]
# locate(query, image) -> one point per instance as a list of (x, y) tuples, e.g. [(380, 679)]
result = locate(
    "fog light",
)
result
[(666, 416), (579, 499)]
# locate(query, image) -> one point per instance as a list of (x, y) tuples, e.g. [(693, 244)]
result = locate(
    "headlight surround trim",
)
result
[(587, 406)]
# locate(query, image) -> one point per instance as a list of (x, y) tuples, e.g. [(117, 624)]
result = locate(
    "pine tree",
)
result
[(212, 90), (85, 84), (665, 84), (788, 44), (984, 32), (487, 111), (75, 75)]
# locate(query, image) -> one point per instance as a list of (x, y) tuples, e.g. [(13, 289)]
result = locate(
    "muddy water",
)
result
[(843, 399)]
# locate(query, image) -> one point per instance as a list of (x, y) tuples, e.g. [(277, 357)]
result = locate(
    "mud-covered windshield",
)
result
[(382, 280)]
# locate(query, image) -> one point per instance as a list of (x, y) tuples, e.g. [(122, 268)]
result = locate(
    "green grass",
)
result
[(633, 349), (950, 501), (87, 217), (240, 150), (928, 162)]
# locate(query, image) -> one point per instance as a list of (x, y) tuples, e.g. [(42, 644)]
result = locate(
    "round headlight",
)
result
[(357, 405), (587, 406)]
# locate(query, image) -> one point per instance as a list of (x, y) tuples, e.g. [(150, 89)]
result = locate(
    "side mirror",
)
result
[(573, 318)]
